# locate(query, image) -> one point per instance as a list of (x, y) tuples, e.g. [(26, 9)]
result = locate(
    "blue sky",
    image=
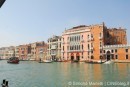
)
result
[(26, 21)]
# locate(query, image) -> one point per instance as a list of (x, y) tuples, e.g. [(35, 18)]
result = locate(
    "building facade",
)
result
[(54, 48), (34, 53), (24, 50), (86, 42), (7, 52), (119, 53), (41, 51)]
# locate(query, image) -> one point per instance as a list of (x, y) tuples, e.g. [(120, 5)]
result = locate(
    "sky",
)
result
[(27, 21)]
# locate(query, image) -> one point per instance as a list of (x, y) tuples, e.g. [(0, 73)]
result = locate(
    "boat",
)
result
[(13, 60), (75, 61), (40, 61), (94, 62), (108, 62), (47, 61)]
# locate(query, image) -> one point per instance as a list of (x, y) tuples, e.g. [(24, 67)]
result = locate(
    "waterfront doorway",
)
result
[(77, 56), (72, 57), (108, 55)]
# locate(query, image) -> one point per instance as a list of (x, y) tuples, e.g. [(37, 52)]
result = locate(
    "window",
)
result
[(104, 51), (88, 46), (82, 36), (88, 36), (115, 50), (82, 46), (126, 56), (100, 51), (91, 35), (67, 47), (112, 51), (91, 51), (88, 53), (100, 34), (126, 50), (63, 48), (108, 35), (116, 56), (112, 56), (68, 38), (100, 44)]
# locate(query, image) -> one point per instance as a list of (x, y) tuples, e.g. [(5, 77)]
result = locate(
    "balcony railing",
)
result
[(90, 39), (75, 50), (62, 51), (82, 40), (100, 37), (89, 50), (100, 47)]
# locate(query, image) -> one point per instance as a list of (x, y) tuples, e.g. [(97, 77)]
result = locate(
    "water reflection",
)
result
[(33, 74)]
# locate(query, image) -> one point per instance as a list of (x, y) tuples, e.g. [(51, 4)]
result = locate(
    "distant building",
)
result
[(17, 51), (7, 52), (24, 50), (34, 46), (86, 42), (41, 52), (54, 48)]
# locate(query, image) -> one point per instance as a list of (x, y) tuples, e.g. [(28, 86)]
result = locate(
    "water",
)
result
[(33, 74)]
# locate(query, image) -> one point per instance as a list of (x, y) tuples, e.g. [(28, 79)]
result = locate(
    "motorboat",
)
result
[(13, 60), (47, 61), (108, 62)]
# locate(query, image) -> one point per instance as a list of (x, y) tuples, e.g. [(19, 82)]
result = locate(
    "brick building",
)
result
[(41, 51), (24, 50)]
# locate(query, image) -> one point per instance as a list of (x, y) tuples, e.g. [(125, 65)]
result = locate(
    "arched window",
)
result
[(88, 46), (82, 47)]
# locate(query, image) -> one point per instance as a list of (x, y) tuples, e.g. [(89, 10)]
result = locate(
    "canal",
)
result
[(65, 74)]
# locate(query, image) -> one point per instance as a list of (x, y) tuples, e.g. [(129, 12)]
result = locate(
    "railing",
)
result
[(116, 46), (90, 39), (75, 50), (100, 37), (89, 50)]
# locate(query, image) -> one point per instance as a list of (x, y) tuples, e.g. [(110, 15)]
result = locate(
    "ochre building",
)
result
[(87, 42)]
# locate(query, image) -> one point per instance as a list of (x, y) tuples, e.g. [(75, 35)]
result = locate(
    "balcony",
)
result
[(75, 50), (62, 51), (89, 50), (100, 37), (92, 48), (63, 42), (100, 47), (54, 47), (53, 54), (82, 40), (90, 39)]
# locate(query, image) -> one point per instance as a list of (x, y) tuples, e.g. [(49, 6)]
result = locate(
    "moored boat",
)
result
[(13, 60), (47, 61)]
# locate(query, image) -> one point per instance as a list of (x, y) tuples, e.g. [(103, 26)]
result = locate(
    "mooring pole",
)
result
[(5, 83)]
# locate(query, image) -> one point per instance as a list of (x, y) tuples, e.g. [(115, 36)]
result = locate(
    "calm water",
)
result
[(33, 74)]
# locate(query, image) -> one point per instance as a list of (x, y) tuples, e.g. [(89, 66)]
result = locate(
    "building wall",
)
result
[(74, 43), (115, 36), (23, 52), (41, 52), (117, 50), (54, 48), (97, 32)]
